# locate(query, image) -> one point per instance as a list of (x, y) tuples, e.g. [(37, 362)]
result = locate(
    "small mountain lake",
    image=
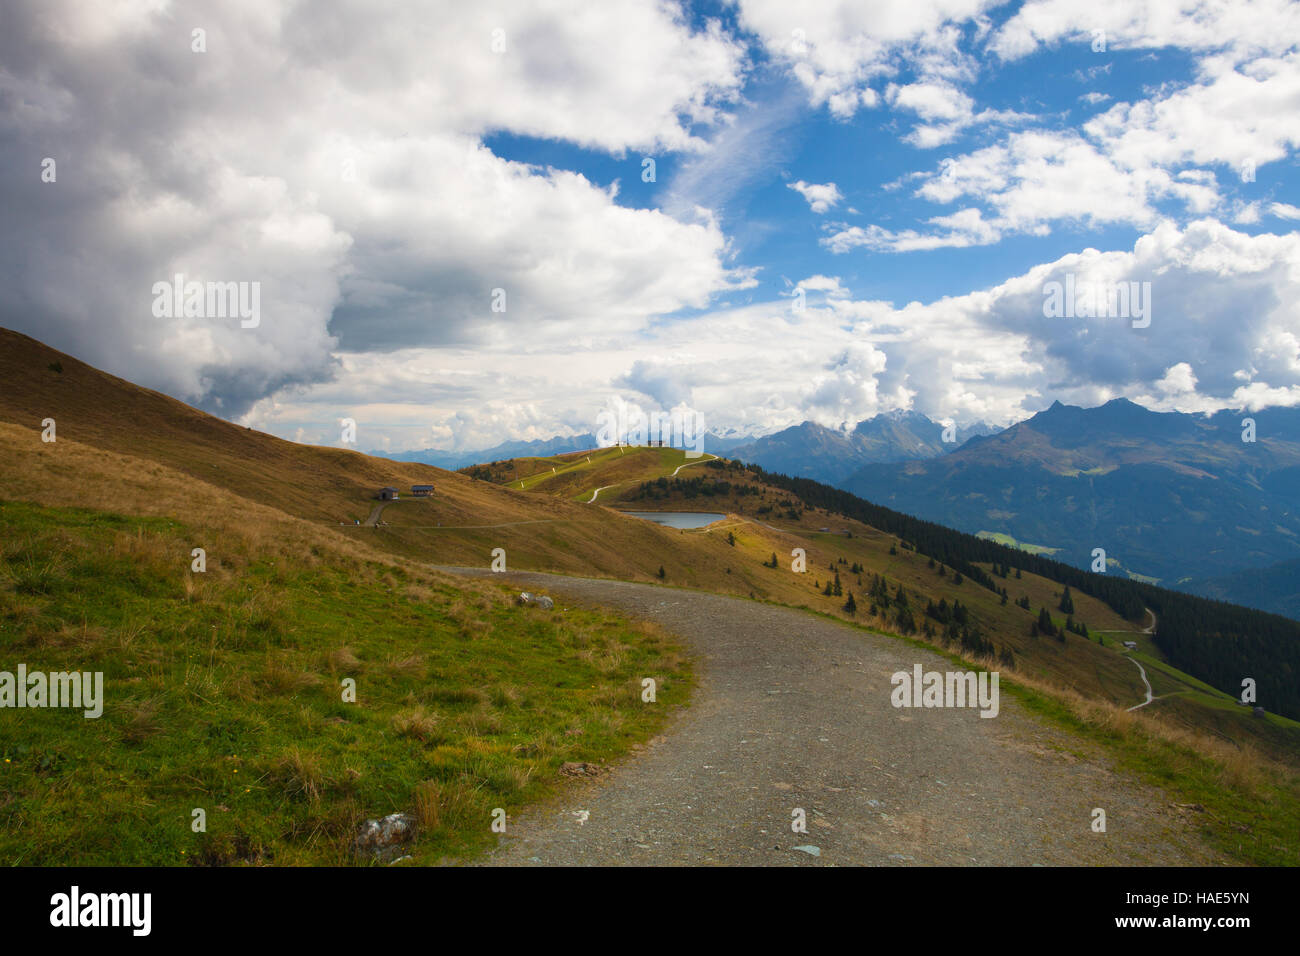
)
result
[(678, 519)]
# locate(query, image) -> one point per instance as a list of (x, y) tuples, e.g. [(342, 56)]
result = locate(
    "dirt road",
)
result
[(793, 712)]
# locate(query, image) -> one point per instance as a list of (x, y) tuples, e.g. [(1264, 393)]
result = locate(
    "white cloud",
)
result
[(1127, 163), (1246, 214), (1232, 116), (836, 49), (1224, 332), (821, 283), (820, 197), (1174, 152), (1244, 29), (964, 228), (1178, 380), (230, 165)]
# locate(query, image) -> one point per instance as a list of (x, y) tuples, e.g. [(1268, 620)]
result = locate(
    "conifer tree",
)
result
[(1045, 622)]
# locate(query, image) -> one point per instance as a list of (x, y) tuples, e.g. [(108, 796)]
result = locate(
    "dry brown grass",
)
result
[(417, 723), (440, 803), (404, 664), (142, 720), (482, 721), (300, 775), (278, 676), (70, 474), (343, 661)]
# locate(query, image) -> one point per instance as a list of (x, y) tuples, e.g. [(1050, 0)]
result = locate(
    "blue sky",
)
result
[(866, 157), (921, 169)]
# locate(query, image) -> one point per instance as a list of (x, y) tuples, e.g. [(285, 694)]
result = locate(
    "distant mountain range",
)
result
[(713, 444), (452, 460), (828, 455), (806, 451), (1176, 497)]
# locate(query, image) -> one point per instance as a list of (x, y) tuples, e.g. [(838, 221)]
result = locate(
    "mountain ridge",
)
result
[(810, 450), (1170, 495)]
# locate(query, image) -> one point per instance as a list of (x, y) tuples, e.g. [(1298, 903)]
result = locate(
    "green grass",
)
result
[(223, 692), (577, 475), (1253, 824), (1011, 542), (587, 461)]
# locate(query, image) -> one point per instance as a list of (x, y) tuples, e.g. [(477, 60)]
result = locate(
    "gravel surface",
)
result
[(793, 711)]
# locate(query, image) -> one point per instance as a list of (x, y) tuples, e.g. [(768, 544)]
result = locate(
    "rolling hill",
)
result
[(313, 580), (224, 686)]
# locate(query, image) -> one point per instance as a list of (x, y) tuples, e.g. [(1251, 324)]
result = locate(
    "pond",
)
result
[(678, 519)]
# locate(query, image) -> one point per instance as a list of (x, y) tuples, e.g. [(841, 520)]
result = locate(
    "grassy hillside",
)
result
[(588, 475), (468, 702), (223, 692), (224, 689)]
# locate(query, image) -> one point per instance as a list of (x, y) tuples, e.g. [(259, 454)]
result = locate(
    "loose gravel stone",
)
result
[(793, 712)]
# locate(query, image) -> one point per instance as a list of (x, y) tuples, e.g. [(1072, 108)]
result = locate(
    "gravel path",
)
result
[(596, 492), (1143, 671), (793, 711), (689, 463)]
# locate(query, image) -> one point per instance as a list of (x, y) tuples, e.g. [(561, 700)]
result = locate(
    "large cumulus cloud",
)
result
[(332, 154)]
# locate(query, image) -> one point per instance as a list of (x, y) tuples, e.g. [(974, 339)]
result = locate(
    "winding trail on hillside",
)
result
[(689, 463), (594, 494), (1149, 629), (793, 711), (592, 499), (1150, 693)]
